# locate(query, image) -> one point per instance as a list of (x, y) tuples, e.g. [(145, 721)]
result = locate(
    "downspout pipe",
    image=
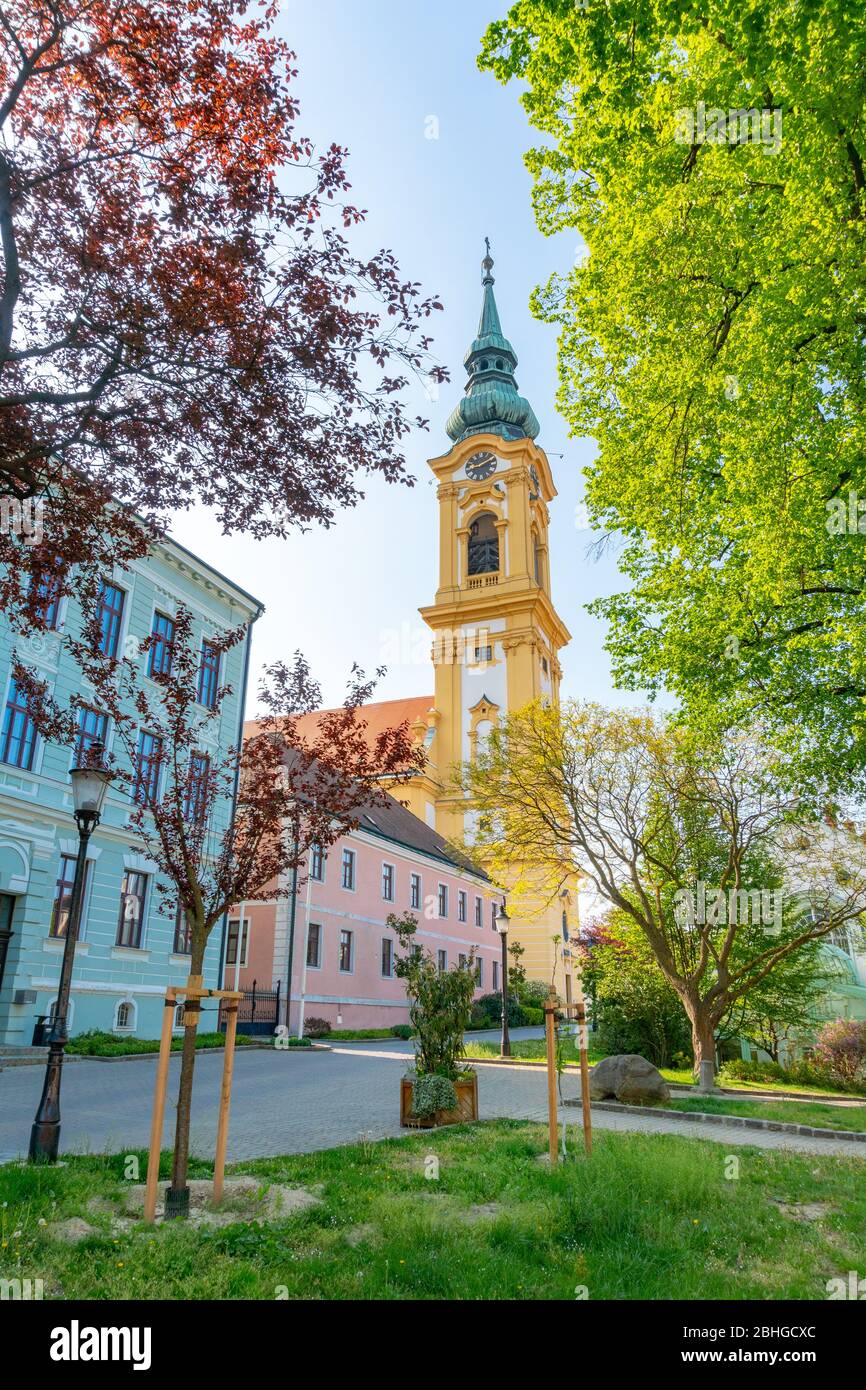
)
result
[(292, 916), (243, 696)]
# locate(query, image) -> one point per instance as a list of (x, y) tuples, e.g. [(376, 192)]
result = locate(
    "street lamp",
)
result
[(89, 784), (502, 922)]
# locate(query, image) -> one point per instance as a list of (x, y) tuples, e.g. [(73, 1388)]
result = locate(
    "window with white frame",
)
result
[(182, 932), (232, 941), (70, 1013), (442, 961), (388, 882), (443, 899), (387, 957), (346, 952), (479, 972), (130, 919), (478, 911), (124, 1016), (461, 906), (317, 863), (314, 946), (415, 891), (348, 869), (496, 977)]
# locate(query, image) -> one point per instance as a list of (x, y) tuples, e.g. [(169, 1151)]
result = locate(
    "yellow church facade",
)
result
[(496, 634)]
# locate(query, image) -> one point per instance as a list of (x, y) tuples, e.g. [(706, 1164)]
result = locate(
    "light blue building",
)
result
[(128, 951)]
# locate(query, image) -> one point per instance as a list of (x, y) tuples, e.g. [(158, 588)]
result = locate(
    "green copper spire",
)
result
[(491, 404)]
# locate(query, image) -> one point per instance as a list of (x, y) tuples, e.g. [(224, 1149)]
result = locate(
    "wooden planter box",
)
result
[(465, 1110)]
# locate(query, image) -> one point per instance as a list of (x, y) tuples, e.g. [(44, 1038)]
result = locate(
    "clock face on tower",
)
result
[(480, 466)]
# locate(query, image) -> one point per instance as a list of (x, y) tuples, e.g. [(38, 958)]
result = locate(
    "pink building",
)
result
[(334, 931)]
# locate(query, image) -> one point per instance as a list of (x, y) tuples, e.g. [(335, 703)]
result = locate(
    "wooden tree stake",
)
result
[(584, 1065), (192, 990), (225, 1099), (551, 1004), (159, 1106)]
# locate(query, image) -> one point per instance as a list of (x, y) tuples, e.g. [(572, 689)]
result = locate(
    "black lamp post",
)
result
[(501, 923), (89, 785)]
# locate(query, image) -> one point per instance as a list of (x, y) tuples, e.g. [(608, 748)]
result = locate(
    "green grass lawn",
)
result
[(647, 1216), (786, 1087), (359, 1035), (791, 1111), (531, 1050), (535, 1050)]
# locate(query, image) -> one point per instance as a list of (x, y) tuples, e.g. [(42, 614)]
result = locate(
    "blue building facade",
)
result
[(129, 950)]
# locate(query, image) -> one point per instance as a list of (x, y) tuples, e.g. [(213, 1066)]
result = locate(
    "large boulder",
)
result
[(629, 1077)]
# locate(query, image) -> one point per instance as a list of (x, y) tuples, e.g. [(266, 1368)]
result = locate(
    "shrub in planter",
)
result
[(532, 1017), (401, 1030), (431, 1094), (316, 1027), (439, 1010)]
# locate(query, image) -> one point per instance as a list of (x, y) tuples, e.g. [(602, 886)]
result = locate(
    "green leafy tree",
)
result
[(635, 1007), (691, 839), (516, 970), (784, 1008), (440, 1001), (711, 157)]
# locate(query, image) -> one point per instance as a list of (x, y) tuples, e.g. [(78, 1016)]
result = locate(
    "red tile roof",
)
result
[(378, 716)]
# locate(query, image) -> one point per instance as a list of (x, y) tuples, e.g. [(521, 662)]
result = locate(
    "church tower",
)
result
[(496, 632)]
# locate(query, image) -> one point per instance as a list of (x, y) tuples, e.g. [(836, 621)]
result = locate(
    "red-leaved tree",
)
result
[(293, 789), (181, 317)]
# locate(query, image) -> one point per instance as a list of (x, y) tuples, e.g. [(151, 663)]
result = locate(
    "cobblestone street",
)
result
[(294, 1102)]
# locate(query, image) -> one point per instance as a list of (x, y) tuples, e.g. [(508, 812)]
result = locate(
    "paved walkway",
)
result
[(295, 1102)]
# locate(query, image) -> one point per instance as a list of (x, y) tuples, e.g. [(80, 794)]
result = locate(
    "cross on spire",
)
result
[(487, 264)]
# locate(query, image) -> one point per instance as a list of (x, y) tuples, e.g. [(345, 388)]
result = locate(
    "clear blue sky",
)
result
[(371, 74)]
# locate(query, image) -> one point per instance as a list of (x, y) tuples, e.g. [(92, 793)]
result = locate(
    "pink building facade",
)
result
[(332, 934)]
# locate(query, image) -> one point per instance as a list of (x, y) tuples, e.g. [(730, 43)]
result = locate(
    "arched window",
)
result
[(124, 1016), (483, 545), (539, 564), (70, 1013)]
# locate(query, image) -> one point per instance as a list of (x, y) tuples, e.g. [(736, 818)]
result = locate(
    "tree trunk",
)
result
[(703, 1038), (180, 1160)]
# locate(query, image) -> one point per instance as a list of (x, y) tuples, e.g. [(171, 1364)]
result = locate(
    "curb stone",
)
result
[(150, 1056)]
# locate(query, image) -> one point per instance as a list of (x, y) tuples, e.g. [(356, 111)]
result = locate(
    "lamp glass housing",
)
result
[(89, 785)]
